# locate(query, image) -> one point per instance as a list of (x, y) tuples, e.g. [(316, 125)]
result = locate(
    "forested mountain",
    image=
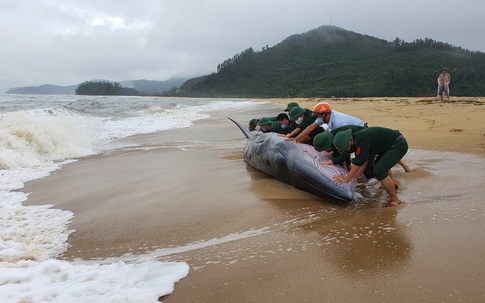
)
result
[(101, 88), (330, 61), (46, 89), (144, 87)]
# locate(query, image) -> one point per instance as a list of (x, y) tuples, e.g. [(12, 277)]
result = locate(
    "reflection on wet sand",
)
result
[(359, 239), (363, 244)]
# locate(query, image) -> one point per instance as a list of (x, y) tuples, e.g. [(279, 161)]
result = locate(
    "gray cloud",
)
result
[(70, 41)]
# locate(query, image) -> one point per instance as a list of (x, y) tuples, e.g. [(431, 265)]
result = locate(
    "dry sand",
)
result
[(275, 243), (455, 125)]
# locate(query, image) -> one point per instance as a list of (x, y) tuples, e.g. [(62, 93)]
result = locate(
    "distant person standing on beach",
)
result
[(444, 80)]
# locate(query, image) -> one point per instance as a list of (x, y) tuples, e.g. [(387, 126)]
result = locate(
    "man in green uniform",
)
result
[(284, 121), (290, 106), (267, 125), (389, 146), (303, 118), (254, 123), (324, 142)]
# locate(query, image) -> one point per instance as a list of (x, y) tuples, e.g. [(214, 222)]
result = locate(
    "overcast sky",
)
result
[(66, 42)]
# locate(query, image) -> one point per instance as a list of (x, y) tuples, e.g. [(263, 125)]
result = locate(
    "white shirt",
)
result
[(338, 119)]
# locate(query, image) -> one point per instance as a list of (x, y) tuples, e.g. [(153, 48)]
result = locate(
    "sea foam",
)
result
[(39, 134)]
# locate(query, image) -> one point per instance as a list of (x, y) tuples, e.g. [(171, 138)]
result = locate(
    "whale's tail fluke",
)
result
[(246, 132)]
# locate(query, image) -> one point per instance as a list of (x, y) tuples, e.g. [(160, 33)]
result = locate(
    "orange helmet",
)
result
[(322, 107)]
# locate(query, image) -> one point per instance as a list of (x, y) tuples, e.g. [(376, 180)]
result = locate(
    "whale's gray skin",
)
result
[(296, 164)]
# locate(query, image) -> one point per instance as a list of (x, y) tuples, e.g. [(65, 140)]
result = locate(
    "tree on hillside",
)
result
[(330, 61), (105, 88)]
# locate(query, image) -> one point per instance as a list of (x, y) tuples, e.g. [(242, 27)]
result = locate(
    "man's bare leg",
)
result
[(389, 185)]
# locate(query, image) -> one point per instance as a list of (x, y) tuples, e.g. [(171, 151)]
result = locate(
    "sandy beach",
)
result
[(427, 123), (250, 238)]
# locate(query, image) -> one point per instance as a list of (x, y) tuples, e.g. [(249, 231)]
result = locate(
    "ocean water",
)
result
[(38, 135)]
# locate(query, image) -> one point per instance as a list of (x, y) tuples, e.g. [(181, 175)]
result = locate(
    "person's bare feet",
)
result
[(393, 203)]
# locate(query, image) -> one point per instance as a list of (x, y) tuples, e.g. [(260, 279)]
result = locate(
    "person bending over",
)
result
[(389, 145)]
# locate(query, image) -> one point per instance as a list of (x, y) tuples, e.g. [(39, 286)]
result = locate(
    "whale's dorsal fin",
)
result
[(246, 132)]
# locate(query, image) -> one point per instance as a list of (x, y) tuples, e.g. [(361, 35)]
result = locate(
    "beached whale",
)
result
[(296, 164)]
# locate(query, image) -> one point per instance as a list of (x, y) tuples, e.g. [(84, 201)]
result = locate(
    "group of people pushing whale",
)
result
[(376, 149)]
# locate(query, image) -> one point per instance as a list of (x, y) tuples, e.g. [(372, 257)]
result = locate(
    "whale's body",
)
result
[(296, 164)]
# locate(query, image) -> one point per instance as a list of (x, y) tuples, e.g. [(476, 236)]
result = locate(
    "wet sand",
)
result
[(250, 238)]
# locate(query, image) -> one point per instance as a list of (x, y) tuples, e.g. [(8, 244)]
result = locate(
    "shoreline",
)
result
[(427, 123), (248, 237)]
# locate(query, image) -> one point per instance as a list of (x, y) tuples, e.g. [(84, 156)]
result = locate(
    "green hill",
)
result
[(330, 61), (46, 89), (144, 87)]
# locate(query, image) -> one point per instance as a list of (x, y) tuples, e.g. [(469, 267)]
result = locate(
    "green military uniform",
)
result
[(308, 120), (291, 126), (276, 127), (388, 144), (252, 122), (290, 106), (339, 158), (273, 125)]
